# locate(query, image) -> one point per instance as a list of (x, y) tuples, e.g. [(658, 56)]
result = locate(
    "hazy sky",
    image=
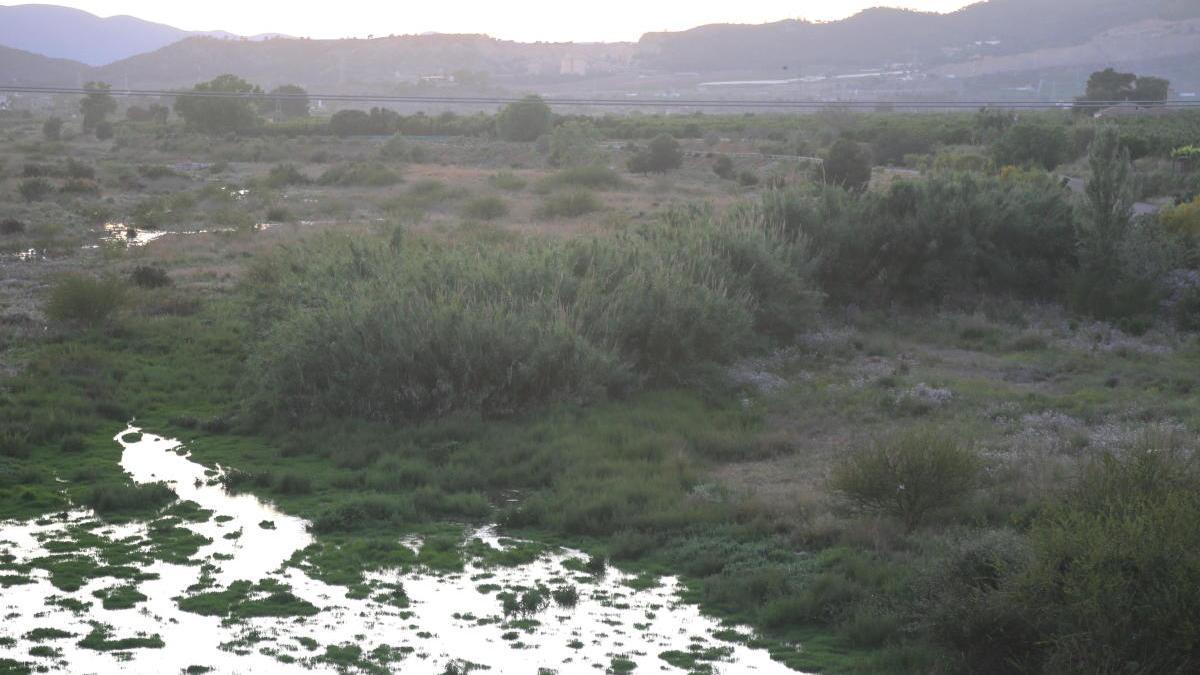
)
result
[(526, 20)]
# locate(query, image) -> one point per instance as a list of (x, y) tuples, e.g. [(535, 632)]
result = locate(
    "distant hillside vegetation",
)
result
[(24, 68), (879, 36), (350, 62)]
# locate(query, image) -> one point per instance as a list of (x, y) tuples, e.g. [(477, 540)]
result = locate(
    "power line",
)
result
[(921, 104)]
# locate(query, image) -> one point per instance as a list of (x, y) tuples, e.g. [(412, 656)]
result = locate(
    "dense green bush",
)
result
[(569, 204), (908, 475), (590, 177), (121, 499), (283, 175), (1033, 144), (148, 276), (933, 239), (1115, 580), (12, 226), (723, 167), (966, 601), (84, 300), (360, 174), (353, 327), (847, 166), (35, 189), (358, 122), (485, 208), (661, 155)]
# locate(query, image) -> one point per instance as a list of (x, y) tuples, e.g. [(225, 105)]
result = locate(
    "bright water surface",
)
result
[(449, 619)]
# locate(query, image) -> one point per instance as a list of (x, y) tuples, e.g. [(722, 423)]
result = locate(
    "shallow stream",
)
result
[(417, 620)]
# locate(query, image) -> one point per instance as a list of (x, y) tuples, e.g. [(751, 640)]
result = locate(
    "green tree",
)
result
[(96, 105), (575, 143), (525, 120), (847, 165), (286, 102), (1151, 89), (990, 124), (1109, 85), (1032, 144), (52, 129), (1104, 223), (224, 104)]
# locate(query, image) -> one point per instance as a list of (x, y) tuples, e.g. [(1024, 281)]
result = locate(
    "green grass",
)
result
[(100, 639), (243, 600), (120, 597), (611, 476), (625, 475)]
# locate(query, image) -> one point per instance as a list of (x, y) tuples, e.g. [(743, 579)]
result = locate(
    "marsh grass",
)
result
[(126, 501)]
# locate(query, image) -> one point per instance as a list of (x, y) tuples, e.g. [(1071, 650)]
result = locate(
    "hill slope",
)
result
[(879, 36), (373, 63), (19, 67), (63, 32)]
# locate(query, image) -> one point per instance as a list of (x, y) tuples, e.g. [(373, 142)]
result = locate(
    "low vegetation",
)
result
[(932, 420), (498, 329)]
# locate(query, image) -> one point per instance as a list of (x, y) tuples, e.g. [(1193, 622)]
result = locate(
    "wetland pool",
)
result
[(219, 582)]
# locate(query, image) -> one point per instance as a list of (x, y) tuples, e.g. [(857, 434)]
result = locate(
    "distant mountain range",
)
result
[(67, 33), (1001, 45)]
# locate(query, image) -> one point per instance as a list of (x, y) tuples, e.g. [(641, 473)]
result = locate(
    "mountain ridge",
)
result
[(62, 32), (989, 40)]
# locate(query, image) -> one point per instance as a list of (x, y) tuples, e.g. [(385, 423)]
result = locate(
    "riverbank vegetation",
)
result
[(943, 421)]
